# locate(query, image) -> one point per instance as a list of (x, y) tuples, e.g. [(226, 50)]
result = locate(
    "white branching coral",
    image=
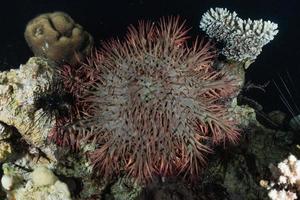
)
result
[(282, 195), (243, 39), (286, 179)]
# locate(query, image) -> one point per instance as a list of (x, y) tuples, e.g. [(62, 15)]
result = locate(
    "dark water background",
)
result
[(106, 19)]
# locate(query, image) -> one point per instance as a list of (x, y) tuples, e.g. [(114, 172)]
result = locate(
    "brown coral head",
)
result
[(158, 105), (56, 36)]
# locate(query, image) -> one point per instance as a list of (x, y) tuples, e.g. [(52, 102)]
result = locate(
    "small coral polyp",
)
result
[(157, 104)]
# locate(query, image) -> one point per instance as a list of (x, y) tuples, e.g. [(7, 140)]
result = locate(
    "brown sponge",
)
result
[(57, 37)]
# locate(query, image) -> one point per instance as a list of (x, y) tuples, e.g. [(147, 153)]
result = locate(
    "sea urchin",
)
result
[(158, 104)]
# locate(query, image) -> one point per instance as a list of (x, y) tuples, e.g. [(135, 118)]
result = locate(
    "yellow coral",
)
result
[(5, 150)]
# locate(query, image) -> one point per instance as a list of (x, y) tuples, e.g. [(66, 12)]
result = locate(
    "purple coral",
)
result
[(157, 104)]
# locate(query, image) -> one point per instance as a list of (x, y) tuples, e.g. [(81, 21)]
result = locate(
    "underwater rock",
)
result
[(241, 168), (295, 123), (278, 117), (22, 165), (124, 189), (250, 163), (5, 132), (76, 166), (170, 189), (57, 37), (5, 150), (18, 88), (244, 114), (6, 147)]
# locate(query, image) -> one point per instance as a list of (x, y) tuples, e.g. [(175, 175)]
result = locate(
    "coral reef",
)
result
[(57, 37), (241, 168), (76, 166), (5, 150), (287, 179), (33, 174), (24, 126), (243, 39), (18, 89), (123, 189), (42, 185), (156, 94), (149, 107)]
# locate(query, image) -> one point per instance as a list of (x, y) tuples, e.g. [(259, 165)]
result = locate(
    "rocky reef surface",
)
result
[(24, 146), (26, 154)]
